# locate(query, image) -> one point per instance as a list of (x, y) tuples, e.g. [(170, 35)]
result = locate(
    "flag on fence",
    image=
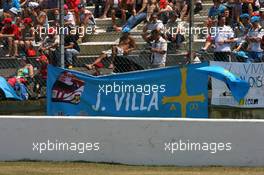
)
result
[(167, 92), (238, 87), (8, 90)]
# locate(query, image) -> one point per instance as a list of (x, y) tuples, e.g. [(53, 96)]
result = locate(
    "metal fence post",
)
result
[(61, 9), (191, 20)]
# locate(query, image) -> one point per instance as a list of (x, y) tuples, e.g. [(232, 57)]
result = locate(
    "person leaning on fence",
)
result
[(158, 50), (126, 45)]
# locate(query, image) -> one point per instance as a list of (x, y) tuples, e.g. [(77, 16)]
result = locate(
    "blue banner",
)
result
[(169, 92)]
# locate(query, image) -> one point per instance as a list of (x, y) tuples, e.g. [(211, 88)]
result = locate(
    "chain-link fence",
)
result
[(31, 37)]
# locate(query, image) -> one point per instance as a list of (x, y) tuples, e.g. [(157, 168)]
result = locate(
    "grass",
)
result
[(70, 168)]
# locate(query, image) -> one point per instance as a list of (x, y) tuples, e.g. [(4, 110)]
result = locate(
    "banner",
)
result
[(253, 73), (168, 92)]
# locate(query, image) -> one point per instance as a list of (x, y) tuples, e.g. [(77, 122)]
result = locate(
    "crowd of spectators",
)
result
[(236, 30), (236, 26)]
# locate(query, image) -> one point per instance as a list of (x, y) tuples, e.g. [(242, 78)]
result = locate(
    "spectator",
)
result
[(181, 7), (158, 50), (86, 17), (153, 24), (241, 31), (73, 4), (216, 9), (148, 7), (27, 37), (125, 46), (39, 17), (261, 14), (24, 73), (174, 34), (223, 39), (165, 11), (198, 6), (68, 17), (71, 48), (123, 10), (11, 33), (8, 4), (50, 46), (106, 6), (253, 39)]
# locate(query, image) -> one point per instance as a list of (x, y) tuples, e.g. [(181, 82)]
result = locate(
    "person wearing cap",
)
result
[(39, 17), (216, 9), (27, 37), (8, 4), (86, 17), (73, 4), (253, 39), (165, 10), (244, 24), (126, 45), (153, 24), (158, 50), (241, 31), (11, 33), (261, 15), (68, 17)]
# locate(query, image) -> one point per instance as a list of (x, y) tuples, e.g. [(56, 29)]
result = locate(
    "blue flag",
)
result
[(8, 90), (239, 88), (168, 92)]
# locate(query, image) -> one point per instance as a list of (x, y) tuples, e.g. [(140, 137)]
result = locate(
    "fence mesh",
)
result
[(30, 37)]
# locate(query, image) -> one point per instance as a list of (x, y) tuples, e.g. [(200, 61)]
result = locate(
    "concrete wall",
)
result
[(135, 141)]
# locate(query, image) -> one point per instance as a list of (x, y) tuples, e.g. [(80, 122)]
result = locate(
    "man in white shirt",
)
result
[(253, 39), (158, 50), (223, 38)]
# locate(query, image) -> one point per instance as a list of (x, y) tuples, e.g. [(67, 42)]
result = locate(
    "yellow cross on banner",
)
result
[(183, 98)]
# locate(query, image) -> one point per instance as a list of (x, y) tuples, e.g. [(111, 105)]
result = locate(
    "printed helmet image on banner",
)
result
[(67, 88)]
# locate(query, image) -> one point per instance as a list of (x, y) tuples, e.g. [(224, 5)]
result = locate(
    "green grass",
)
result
[(74, 168)]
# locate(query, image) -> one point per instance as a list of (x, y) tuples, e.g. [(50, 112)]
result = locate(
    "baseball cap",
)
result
[(254, 19), (7, 20), (244, 15), (27, 20), (33, 4), (14, 10)]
